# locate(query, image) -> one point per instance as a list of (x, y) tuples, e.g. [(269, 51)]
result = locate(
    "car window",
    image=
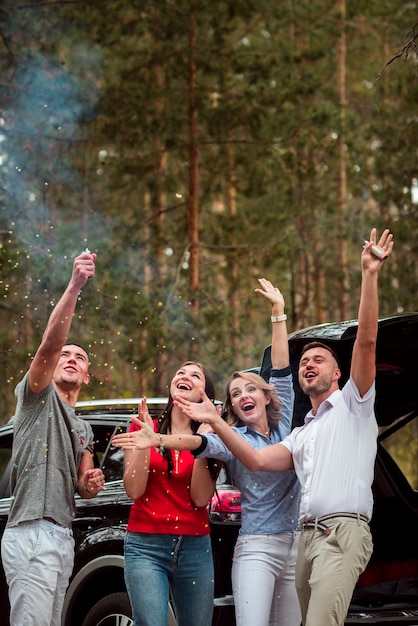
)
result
[(113, 464), (109, 458), (402, 445), (224, 478), (5, 456)]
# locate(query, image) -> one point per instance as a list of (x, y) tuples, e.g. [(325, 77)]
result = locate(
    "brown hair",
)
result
[(164, 420), (272, 409), (319, 344)]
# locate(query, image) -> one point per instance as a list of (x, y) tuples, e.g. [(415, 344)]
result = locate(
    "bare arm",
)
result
[(135, 477), (59, 324), (136, 473), (202, 485), (271, 458), (136, 445), (279, 340), (363, 363), (147, 438)]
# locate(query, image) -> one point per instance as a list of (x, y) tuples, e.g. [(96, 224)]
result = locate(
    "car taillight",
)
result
[(228, 501)]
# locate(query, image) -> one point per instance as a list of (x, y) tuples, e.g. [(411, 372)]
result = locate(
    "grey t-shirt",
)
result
[(48, 444)]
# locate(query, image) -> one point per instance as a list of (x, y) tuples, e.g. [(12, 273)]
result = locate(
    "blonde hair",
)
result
[(272, 409)]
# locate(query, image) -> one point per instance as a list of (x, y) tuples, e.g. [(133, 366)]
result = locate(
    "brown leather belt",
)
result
[(318, 523)]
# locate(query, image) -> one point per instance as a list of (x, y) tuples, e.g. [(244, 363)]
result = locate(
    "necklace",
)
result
[(176, 452)]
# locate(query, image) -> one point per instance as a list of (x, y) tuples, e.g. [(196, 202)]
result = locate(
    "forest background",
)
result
[(196, 146)]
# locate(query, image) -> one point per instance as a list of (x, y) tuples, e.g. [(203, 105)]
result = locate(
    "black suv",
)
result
[(387, 592)]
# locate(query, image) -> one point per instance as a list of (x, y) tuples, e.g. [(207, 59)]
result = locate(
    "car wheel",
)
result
[(112, 610)]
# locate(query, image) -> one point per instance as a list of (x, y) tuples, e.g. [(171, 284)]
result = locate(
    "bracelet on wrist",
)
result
[(279, 318), (161, 448)]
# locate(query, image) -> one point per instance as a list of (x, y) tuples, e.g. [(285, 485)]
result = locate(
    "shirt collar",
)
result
[(323, 407)]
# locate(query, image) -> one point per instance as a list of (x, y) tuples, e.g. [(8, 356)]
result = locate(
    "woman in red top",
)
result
[(168, 552)]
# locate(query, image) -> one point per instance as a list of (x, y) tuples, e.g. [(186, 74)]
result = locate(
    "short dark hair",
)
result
[(78, 345), (74, 343), (319, 344)]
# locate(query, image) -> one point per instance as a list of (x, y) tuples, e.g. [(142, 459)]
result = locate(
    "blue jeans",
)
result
[(175, 567)]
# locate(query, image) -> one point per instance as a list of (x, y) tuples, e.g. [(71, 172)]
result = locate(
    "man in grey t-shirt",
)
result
[(52, 460)]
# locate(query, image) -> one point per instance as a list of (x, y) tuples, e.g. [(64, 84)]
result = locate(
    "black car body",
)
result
[(387, 592)]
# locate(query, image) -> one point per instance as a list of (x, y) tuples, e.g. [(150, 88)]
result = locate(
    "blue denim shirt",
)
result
[(269, 500)]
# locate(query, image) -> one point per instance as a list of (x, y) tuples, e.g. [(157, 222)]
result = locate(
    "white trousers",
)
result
[(263, 580), (38, 559)]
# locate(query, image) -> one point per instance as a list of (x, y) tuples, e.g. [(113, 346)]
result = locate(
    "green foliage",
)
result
[(95, 150)]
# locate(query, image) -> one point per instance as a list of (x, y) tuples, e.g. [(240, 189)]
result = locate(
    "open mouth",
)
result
[(248, 406), (184, 387), (310, 375)]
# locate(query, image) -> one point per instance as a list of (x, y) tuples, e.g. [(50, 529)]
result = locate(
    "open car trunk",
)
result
[(388, 590)]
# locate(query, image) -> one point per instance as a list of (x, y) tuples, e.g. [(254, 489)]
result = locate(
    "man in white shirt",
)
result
[(333, 454)]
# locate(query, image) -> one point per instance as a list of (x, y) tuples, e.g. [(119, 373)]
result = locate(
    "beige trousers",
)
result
[(328, 567)]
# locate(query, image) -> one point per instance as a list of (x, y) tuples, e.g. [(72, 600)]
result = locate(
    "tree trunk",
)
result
[(344, 284), (234, 277), (193, 199)]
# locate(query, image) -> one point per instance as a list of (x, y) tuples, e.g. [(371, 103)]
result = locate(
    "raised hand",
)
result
[(204, 411), (138, 439), (270, 292), (372, 260), (83, 268), (143, 413)]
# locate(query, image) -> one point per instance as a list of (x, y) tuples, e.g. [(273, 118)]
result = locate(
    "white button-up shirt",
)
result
[(334, 454)]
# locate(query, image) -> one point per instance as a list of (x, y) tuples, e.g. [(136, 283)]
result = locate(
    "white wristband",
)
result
[(279, 318)]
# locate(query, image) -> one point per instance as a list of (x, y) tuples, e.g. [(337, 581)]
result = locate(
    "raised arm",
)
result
[(271, 458), (279, 340), (363, 363), (59, 324)]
